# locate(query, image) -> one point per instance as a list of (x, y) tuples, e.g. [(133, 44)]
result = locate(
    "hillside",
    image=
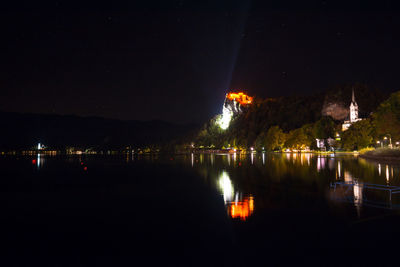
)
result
[(290, 113)]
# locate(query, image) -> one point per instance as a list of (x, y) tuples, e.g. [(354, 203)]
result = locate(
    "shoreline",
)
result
[(381, 159)]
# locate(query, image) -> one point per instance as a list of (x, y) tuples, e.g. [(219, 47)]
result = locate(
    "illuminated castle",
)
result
[(232, 106), (353, 114), (241, 98)]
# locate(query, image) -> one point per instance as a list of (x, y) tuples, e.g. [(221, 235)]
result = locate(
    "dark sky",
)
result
[(175, 60)]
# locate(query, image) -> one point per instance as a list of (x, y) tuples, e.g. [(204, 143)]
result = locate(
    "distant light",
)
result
[(251, 148), (385, 137), (377, 142), (85, 168), (39, 146)]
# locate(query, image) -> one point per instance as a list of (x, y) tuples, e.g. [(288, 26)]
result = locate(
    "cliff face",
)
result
[(337, 110)]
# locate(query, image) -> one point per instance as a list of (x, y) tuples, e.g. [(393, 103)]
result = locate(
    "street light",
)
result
[(390, 140), (379, 142)]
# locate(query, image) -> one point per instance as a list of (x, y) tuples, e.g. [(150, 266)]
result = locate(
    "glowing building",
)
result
[(353, 113), (232, 106)]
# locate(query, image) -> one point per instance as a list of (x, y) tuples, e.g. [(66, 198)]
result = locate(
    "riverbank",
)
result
[(384, 155)]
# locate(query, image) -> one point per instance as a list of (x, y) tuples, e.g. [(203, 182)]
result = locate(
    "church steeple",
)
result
[(353, 112), (353, 108)]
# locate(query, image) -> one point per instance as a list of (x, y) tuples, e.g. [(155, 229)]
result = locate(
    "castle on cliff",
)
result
[(353, 113)]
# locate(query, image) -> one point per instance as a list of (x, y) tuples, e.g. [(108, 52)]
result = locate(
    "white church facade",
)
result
[(353, 114)]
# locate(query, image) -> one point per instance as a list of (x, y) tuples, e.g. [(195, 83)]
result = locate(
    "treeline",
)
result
[(295, 122)]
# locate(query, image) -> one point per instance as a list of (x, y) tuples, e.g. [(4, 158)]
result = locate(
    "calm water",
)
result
[(198, 210)]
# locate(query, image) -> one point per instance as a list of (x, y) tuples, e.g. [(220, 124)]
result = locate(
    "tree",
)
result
[(272, 140), (358, 136), (387, 117), (297, 139), (324, 128)]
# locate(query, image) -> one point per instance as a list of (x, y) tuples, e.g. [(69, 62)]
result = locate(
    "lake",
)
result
[(198, 210)]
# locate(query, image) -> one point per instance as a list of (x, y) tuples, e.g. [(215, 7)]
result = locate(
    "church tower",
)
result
[(353, 113), (353, 109)]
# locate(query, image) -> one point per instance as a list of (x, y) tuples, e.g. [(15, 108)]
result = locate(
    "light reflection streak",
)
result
[(357, 191), (320, 163), (263, 158), (358, 196), (38, 161), (379, 169), (252, 158), (226, 187), (387, 174), (192, 159)]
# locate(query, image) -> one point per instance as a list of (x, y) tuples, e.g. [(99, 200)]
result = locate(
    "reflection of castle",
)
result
[(237, 206), (241, 209), (353, 114)]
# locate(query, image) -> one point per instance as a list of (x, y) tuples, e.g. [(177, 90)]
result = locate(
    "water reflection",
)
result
[(278, 178), (226, 187), (241, 209), (39, 161), (238, 207), (387, 174)]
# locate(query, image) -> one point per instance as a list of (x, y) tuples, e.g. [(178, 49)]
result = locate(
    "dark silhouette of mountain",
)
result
[(23, 131)]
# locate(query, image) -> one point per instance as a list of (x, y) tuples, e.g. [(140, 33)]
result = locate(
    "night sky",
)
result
[(175, 60)]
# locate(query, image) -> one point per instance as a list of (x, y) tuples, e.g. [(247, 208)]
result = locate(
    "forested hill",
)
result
[(22, 131), (290, 113)]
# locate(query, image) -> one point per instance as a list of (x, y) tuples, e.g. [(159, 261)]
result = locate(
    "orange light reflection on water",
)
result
[(241, 209)]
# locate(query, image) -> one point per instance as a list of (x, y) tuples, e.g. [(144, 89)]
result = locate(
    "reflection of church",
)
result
[(353, 114)]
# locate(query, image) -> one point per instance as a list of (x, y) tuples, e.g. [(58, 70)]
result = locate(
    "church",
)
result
[(353, 114)]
